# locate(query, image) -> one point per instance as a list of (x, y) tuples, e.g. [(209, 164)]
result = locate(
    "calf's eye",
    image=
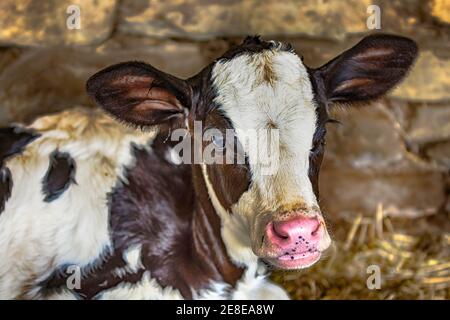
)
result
[(218, 141)]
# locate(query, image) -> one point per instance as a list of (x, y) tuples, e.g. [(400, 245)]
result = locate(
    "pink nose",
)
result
[(300, 233)]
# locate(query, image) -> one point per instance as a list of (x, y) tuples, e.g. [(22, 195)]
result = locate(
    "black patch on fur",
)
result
[(13, 141), (5, 187), (59, 176), (318, 147)]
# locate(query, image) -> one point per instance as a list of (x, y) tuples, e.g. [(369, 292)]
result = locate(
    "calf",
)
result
[(133, 215)]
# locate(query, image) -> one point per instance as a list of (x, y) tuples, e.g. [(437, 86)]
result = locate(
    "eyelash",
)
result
[(321, 141)]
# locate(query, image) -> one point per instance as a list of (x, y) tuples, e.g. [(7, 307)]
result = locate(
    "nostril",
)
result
[(278, 231), (300, 232), (316, 227)]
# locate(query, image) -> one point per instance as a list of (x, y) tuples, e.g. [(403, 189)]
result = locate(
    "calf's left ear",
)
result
[(139, 94), (366, 71)]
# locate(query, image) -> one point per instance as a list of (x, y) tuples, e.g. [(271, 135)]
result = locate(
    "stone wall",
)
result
[(395, 152)]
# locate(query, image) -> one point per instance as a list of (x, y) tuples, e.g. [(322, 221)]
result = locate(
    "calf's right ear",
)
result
[(139, 94)]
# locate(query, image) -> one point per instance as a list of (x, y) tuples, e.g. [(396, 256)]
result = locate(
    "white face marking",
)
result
[(286, 103), (270, 89)]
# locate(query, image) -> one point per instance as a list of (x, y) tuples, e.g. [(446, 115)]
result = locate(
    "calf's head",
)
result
[(268, 212)]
